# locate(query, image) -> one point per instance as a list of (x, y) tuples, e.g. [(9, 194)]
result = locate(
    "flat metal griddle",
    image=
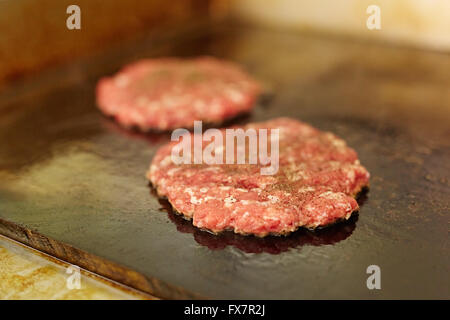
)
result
[(72, 182)]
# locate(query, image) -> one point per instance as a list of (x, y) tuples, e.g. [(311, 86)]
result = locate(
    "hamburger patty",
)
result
[(168, 93), (315, 186)]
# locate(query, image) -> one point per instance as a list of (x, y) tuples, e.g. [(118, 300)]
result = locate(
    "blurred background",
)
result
[(34, 34)]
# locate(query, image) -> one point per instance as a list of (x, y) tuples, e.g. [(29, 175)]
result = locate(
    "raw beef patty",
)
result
[(168, 93), (317, 180)]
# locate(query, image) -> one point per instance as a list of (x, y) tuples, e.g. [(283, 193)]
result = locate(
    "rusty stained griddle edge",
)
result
[(108, 282), (93, 263)]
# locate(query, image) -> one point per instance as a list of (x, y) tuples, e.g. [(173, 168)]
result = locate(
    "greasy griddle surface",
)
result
[(72, 183)]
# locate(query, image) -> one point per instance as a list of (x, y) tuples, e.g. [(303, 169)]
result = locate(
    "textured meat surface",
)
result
[(169, 93), (317, 180)]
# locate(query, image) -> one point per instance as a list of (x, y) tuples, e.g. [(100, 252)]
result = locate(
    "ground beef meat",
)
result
[(315, 186), (168, 93)]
